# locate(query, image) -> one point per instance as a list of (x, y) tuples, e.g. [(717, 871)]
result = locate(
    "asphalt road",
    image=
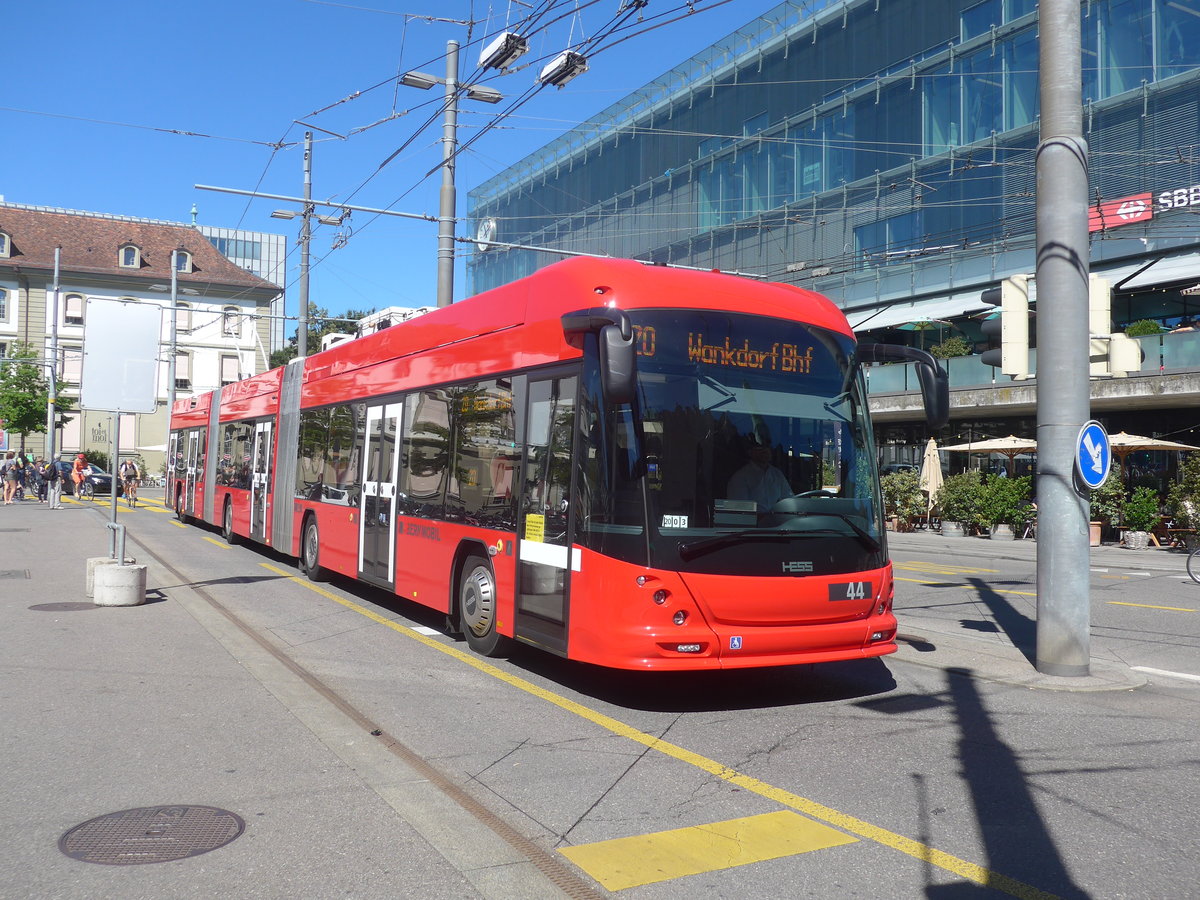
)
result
[(921, 774)]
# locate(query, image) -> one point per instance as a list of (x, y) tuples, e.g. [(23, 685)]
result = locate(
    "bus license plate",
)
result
[(850, 590)]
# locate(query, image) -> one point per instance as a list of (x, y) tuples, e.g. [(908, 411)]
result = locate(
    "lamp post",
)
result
[(306, 214), (447, 198)]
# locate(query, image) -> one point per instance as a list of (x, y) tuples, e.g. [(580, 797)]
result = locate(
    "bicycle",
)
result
[(87, 491), (1193, 565)]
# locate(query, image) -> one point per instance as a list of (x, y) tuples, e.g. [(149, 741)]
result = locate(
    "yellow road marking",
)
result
[(215, 542), (178, 524), (938, 567), (649, 858), (971, 871), (1148, 606)]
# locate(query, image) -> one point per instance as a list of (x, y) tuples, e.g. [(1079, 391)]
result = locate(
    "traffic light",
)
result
[(1109, 354), (1099, 324), (1008, 334)]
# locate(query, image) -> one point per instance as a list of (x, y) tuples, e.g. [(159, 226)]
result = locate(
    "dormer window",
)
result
[(183, 261), (130, 256), (5, 245)]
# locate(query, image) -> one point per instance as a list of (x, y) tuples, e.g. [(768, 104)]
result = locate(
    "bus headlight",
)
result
[(680, 617)]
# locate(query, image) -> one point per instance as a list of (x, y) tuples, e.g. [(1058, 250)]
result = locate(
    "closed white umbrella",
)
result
[(931, 472)]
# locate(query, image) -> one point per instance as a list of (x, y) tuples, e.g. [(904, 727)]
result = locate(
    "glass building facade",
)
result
[(878, 151)]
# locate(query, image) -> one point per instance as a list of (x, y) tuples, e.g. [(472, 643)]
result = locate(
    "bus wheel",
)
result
[(227, 524), (310, 552), (477, 608), (179, 513)]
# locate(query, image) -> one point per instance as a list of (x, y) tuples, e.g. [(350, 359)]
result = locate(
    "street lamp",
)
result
[(448, 200)]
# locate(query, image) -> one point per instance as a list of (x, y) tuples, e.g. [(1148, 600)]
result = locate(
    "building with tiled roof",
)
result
[(223, 324)]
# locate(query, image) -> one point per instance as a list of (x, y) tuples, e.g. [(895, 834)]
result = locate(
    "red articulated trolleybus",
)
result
[(636, 466)]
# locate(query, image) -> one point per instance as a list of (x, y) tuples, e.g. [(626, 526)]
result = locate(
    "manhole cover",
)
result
[(151, 835), (64, 606)]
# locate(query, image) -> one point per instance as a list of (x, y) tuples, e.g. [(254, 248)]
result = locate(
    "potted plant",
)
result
[(958, 501), (1107, 502), (1004, 505), (1183, 499), (903, 500), (1140, 515)]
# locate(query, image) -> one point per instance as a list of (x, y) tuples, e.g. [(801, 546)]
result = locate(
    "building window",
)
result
[(183, 371), (3, 350), (183, 316), (130, 256), (5, 245), (183, 261), (230, 322), (229, 370), (3, 304), (72, 370), (73, 309)]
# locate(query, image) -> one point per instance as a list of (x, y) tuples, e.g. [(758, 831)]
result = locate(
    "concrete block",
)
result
[(92, 564), (120, 585)]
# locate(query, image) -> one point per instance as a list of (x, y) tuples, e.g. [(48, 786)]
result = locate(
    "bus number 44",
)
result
[(850, 590)]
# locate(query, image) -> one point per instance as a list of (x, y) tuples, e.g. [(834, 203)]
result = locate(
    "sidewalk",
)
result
[(983, 644), (169, 708)]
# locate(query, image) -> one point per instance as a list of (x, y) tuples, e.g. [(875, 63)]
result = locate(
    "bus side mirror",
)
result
[(617, 364), (935, 383), (618, 371)]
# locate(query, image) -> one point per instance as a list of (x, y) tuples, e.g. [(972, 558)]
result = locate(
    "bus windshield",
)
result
[(757, 456)]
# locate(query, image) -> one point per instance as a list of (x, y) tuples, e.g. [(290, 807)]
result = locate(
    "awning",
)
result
[(924, 311)]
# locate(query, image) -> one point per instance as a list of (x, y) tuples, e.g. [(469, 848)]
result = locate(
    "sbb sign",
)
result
[(1178, 198), (1124, 211)]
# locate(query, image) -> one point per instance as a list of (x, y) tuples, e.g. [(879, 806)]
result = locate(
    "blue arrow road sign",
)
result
[(1093, 454)]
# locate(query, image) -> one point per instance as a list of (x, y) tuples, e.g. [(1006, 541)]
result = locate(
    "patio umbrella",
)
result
[(931, 472), (1010, 446), (1123, 444)]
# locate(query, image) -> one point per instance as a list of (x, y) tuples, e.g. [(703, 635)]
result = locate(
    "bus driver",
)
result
[(758, 480)]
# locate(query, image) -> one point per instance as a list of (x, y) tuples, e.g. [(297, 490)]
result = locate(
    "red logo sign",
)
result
[(1125, 211)]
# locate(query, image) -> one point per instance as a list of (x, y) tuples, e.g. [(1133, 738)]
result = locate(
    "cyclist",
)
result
[(130, 477), (79, 473)]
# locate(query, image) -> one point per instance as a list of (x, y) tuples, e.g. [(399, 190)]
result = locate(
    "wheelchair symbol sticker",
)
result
[(735, 643)]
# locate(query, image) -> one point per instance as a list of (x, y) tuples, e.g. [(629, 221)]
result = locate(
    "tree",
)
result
[(319, 324), (25, 394)]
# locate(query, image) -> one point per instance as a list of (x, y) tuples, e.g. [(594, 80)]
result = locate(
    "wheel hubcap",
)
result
[(478, 601)]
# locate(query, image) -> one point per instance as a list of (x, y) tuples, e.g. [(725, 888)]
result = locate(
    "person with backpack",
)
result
[(53, 480), (129, 477)]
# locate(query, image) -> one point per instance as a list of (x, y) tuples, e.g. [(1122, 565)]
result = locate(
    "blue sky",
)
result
[(99, 89)]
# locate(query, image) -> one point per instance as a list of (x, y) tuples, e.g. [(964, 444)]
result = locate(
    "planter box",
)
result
[(1137, 540), (953, 529)]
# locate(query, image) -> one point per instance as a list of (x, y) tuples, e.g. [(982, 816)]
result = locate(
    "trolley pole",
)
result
[(1063, 401)]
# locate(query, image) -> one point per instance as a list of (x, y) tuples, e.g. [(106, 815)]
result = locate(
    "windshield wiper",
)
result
[(708, 545), (691, 551)]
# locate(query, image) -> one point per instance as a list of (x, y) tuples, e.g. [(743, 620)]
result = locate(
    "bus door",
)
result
[(545, 560), (191, 467), (260, 480), (172, 468), (377, 528)]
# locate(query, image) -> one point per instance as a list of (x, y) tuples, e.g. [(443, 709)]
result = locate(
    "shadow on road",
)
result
[(1019, 848)]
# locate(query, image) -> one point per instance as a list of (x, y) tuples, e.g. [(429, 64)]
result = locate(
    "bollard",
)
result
[(120, 585), (89, 588)]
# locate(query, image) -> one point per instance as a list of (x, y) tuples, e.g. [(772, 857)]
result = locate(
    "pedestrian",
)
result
[(53, 479), (9, 472), (79, 472), (37, 472), (20, 470)]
